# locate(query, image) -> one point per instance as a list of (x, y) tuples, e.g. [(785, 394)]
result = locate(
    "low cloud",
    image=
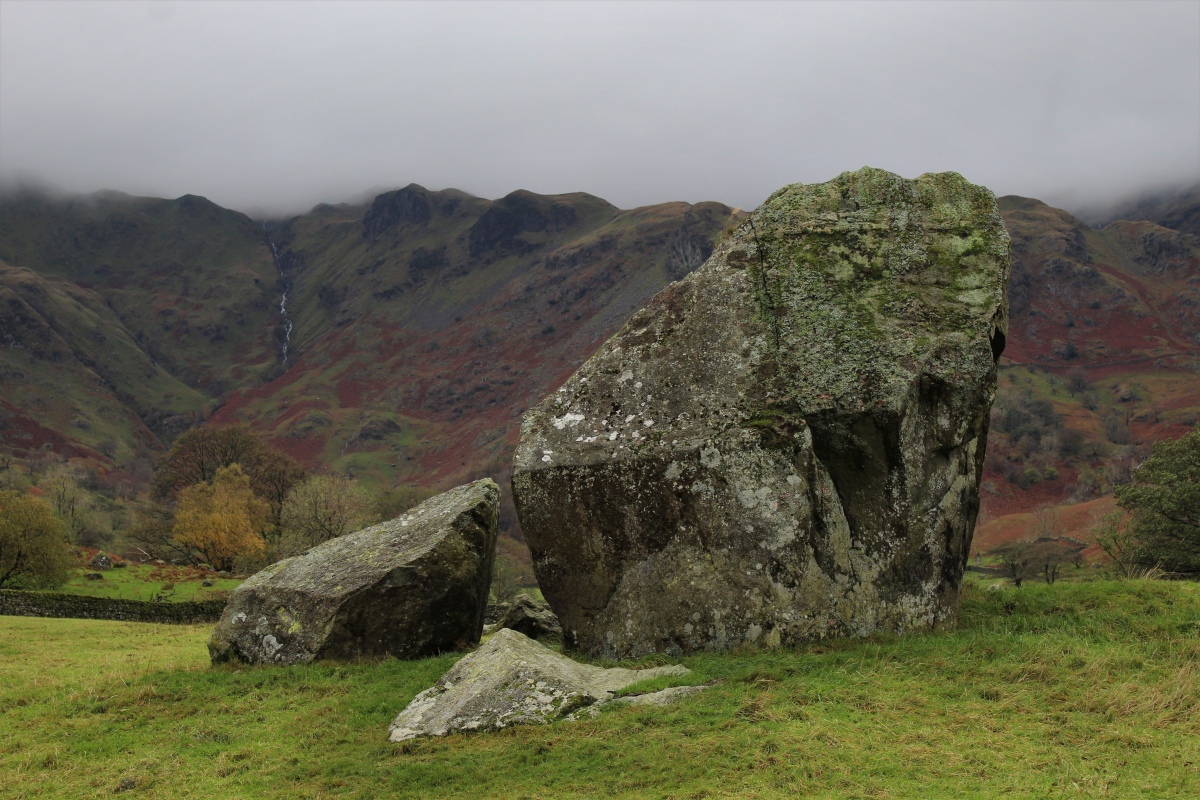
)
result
[(279, 106)]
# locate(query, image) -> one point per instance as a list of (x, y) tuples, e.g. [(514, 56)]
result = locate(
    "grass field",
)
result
[(147, 581), (1070, 690)]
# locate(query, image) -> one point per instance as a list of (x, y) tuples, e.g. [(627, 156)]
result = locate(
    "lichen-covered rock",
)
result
[(412, 587), (786, 444), (531, 618), (513, 680)]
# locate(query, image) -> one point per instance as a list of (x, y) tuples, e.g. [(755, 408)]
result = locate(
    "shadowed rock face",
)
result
[(786, 444), (530, 618), (407, 206), (412, 587)]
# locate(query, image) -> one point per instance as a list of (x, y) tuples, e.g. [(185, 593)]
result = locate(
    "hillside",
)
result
[(1103, 358), (1178, 209), (427, 322), (76, 378), (127, 318), (419, 327)]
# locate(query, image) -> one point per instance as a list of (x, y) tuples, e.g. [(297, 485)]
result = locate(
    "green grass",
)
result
[(145, 581), (1071, 690)]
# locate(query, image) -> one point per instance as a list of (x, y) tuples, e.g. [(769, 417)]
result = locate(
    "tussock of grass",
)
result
[(1071, 690)]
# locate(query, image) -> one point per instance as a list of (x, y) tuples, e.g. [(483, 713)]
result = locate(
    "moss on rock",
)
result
[(411, 587), (786, 444)]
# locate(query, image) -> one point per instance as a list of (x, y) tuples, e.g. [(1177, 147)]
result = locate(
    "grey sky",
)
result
[(281, 105)]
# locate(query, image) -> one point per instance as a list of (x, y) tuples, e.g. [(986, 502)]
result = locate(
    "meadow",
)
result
[(1078, 689), (150, 582)]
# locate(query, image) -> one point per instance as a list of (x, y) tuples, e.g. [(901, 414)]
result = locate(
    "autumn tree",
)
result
[(275, 475), (34, 549), (322, 508), (199, 453), (1164, 502), (221, 520)]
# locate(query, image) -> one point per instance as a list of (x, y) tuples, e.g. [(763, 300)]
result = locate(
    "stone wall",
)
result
[(14, 602)]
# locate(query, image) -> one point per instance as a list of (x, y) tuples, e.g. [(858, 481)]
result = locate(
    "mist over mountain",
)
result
[(639, 103), (1175, 206)]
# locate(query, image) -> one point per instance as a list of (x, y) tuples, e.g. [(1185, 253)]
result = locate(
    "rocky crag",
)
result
[(787, 444), (412, 587)]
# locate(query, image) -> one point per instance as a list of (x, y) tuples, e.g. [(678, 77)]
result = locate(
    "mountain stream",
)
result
[(287, 287)]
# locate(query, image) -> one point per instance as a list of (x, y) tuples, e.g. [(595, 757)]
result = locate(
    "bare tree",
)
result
[(1016, 558), (60, 482), (1051, 554), (322, 508), (1045, 523), (1118, 541)]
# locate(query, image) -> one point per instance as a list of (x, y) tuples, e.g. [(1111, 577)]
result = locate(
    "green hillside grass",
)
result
[(72, 363), (137, 314), (1078, 690), (147, 582)]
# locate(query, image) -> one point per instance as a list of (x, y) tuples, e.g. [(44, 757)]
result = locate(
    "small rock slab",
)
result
[(513, 680), (412, 587), (528, 616)]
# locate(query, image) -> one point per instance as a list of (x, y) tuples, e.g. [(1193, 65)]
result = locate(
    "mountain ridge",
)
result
[(424, 322)]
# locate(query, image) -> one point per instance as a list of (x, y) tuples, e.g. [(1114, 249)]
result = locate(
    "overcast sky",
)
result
[(281, 105)]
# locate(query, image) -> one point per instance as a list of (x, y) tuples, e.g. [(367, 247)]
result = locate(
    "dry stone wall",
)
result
[(17, 603)]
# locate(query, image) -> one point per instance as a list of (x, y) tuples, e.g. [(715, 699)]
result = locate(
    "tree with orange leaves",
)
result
[(222, 520)]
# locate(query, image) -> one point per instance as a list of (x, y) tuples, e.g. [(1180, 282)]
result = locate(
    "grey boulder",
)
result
[(531, 618), (513, 680), (412, 587), (786, 444)]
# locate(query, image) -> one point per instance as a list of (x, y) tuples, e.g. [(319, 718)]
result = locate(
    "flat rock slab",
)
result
[(412, 587), (786, 444), (513, 680)]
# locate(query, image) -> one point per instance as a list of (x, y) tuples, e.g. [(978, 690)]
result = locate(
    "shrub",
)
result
[(34, 549), (1164, 500)]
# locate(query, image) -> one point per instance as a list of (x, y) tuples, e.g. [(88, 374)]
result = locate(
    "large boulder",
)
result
[(412, 587), (786, 444), (531, 618), (513, 680)]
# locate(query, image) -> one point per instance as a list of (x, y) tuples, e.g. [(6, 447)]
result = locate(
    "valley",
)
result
[(399, 341)]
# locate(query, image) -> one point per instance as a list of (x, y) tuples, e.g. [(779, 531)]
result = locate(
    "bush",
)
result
[(1164, 501), (34, 548)]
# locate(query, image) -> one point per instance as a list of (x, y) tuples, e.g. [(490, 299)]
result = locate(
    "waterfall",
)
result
[(287, 287)]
